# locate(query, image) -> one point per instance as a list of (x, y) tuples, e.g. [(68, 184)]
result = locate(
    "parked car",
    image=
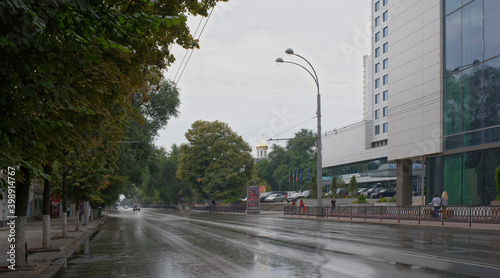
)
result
[(305, 194), (370, 191), (264, 195), (362, 190), (273, 198), (383, 193), (342, 192), (136, 206), (294, 196)]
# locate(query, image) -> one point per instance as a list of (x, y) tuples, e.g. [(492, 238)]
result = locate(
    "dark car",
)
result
[(342, 192), (370, 191), (383, 193)]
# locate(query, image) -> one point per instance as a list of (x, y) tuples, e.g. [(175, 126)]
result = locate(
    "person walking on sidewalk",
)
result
[(293, 206), (332, 202), (444, 202), (436, 202)]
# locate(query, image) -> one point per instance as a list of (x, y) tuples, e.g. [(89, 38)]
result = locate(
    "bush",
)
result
[(383, 200), (361, 200), (392, 200)]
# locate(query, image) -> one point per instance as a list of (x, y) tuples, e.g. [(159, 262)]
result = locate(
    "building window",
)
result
[(385, 2), (386, 31), (385, 126), (377, 129), (386, 79), (377, 36), (377, 114), (386, 63), (377, 21), (377, 6), (377, 67), (385, 47), (377, 52), (377, 82), (385, 16), (385, 111), (377, 98), (386, 95)]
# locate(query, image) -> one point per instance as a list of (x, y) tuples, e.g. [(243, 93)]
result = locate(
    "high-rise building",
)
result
[(433, 96), (444, 93)]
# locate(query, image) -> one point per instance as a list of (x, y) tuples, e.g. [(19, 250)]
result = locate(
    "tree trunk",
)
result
[(47, 169), (64, 201), (21, 206), (77, 216)]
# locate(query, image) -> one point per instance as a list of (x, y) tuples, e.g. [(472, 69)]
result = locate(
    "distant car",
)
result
[(125, 207), (342, 192), (136, 207), (294, 196), (305, 194), (370, 191), (362, 190), (264, 195), (275, 198), (383, 193)]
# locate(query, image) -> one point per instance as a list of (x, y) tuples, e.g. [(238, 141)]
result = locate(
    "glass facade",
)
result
[(468, 178), (471, 104), (472, 73)]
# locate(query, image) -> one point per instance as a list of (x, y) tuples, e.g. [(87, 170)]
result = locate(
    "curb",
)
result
[(407, 225), (54, 267)]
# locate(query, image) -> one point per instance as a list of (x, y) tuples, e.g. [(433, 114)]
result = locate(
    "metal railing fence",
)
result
[(467, 214)]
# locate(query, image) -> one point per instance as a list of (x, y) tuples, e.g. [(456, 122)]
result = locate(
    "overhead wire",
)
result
[(192, 50)]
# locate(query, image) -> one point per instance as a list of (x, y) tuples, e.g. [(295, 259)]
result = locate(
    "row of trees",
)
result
[(71, 74), (299, 155)]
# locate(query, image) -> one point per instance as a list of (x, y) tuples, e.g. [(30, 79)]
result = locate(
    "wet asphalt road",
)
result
[(164, 243)]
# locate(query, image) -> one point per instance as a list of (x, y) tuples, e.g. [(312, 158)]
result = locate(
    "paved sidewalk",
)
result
[(485, 227), (45, 263)]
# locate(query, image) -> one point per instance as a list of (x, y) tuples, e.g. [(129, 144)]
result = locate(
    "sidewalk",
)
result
[(482, 227), (45, 263)]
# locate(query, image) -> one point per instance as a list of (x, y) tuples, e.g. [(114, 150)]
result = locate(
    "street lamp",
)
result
[(318, 114)]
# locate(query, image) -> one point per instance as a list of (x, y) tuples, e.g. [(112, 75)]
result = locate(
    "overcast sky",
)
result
[(234, 78)]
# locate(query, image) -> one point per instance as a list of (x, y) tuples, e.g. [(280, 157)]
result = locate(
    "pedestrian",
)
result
[(301, 204), (293, 206), (444, 202), (436, 202), (332, 202)]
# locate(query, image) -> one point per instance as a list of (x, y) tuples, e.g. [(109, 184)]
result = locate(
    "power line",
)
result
[(192, 50)]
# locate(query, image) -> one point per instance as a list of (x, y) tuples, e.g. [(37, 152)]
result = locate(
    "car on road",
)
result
[(125, 207), (383, 193), (294, 196), (273, 198), (136, 207), (264, 195)]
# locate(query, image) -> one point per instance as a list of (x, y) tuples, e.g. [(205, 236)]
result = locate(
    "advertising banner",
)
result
[(253, 202)]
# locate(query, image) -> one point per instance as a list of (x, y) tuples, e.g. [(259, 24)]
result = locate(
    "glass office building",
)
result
[(471, 104)]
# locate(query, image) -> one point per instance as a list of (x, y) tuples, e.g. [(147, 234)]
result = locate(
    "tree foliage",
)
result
[(353, 186), (219, 157), (297, 157)]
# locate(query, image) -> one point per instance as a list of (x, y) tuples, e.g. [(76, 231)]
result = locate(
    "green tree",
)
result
[(353, 186), (219, 157)]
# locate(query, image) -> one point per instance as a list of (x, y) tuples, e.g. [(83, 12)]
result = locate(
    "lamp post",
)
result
[(318, 114)]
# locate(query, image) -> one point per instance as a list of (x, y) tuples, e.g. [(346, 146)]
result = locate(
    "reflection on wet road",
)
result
[(162, 243)]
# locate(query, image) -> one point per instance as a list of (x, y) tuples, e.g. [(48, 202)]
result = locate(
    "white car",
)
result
[(275, 198)]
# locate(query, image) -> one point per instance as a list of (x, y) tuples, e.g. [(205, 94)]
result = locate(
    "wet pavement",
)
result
[(164, 243)]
